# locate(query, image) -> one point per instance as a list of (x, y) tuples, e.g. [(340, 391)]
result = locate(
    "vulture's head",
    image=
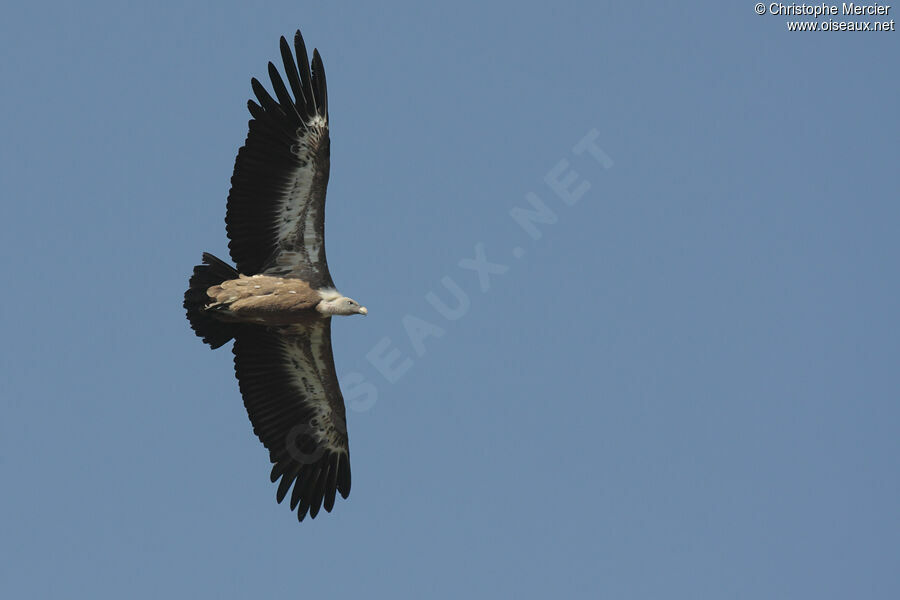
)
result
[(341, 305)]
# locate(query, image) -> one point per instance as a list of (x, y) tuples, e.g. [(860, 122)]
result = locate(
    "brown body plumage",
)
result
[(265, 299)]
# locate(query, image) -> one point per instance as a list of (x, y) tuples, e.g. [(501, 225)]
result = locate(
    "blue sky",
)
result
[(683, 383)]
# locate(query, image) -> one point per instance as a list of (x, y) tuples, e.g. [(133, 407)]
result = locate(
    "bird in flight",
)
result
[(278, 302)]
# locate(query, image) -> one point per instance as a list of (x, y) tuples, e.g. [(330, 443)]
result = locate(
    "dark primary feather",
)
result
[(290, 69), (318, 84), (291, 393), (303, 71), (276, 207)]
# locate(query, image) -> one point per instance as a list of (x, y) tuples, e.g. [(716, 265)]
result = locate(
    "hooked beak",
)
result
[(363, 310)]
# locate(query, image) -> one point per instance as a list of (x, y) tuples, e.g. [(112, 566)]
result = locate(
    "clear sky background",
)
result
[(686, 387)]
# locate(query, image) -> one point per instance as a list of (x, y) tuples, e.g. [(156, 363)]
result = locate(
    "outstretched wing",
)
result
[(291, 392), (276, 206)]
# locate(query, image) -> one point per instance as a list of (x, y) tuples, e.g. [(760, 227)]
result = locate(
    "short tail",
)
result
[(212, 272)]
